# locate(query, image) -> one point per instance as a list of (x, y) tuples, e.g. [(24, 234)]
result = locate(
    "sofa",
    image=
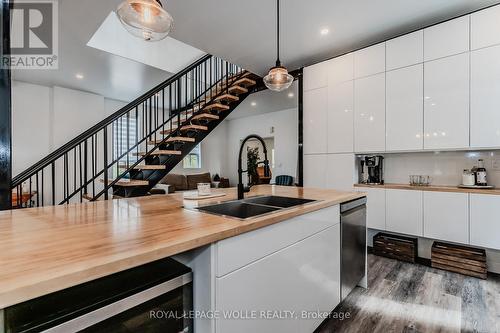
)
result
[(179, 182)]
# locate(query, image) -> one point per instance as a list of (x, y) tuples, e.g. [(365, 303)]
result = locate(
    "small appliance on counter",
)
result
[(371, 170), (475, 177)]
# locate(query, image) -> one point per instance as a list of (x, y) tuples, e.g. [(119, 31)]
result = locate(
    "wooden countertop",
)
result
[(432, 188), (43, 250)]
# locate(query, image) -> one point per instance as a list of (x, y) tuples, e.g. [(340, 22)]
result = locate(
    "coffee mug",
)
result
[(204, 189)]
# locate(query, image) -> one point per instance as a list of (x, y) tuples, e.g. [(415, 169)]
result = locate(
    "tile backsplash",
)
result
[(445, 168)]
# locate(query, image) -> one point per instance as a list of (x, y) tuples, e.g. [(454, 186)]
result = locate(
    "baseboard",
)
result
[(427, 262)]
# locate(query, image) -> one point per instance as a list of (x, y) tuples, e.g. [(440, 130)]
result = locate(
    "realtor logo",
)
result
[(34, 35)]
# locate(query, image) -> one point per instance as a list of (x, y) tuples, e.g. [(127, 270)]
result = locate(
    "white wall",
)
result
[(285, 135), (44, 118), (213, 153)]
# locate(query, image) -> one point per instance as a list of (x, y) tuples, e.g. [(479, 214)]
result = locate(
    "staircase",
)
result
[(128, 153)]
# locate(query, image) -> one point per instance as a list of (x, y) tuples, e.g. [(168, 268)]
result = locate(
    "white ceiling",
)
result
[(105, 73), (243, 32), (266, 101)]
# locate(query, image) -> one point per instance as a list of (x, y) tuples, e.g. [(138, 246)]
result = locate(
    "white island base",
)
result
[(281, 278)]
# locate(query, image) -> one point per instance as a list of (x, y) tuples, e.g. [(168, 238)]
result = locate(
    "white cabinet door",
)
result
[(405, 109), (341, 69), (404, 212), (485, 98), (369, 114), (302, 277), (341, 118), (446, 104), (484, 220), (315, 120), (446, 216), (316, 76), (485, 28), (369, 61), (405, 50), (375, 208), (340, 171), (315, 169), (446, 39)]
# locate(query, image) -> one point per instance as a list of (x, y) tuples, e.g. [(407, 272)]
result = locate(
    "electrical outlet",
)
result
[(495, 164)]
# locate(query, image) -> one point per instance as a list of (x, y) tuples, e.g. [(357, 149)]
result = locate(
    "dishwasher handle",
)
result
[(350, 205)]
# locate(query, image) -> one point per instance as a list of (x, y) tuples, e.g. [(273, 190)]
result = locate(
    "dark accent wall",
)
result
[(5, 111)]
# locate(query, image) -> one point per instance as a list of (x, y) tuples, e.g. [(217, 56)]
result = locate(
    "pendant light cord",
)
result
[(278, 62)]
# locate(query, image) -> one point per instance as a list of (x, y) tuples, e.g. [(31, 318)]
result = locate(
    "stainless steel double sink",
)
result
[(253, 206)]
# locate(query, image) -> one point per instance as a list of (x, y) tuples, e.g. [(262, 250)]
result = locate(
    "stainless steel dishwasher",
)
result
[(353, 243)]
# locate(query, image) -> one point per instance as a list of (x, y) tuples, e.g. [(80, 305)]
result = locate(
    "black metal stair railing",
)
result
[(91, 165)]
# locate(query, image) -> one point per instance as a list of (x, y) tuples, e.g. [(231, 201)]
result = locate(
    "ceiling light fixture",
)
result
[(324, 31), (79, 76), (291, 95), (145, 19), (253, 104), (278, 78)]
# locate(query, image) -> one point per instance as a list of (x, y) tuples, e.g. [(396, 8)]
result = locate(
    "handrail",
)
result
[(105, 150), (20, 178)]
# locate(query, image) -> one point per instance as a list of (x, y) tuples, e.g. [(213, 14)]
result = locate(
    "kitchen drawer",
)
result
[(239, 251)]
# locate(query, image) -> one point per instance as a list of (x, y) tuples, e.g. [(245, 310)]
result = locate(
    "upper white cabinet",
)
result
[(341, 69), (315, 120), (485, 98), (315, 171), (446, 216), (375, 208), (405, 50), (404, 109), (369, 61), (341, 117), (446, 103), (404, 212), (484, 223), (485, 28), (316, 76), (446, 39), (369, 114), (340, 174)]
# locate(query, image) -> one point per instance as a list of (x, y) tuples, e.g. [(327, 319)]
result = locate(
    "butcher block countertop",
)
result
[(43, 250), (431, 188)]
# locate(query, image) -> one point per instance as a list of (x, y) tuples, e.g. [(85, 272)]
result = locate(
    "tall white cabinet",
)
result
[(369, 114), (446, 107), (315, 124), (485, 97), (405, 109)]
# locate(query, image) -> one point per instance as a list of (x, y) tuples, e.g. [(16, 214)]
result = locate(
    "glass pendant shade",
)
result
[(145, 19), (278, 79)]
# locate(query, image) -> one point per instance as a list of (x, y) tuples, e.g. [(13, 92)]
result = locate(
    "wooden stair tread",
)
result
[(87, 196), (245, 82), (168, 131), (160, 152), (128, 182), (216, 107), (149, 167), (194, 128), (227, 97), (238, 89), (172, 139), (205, 116)]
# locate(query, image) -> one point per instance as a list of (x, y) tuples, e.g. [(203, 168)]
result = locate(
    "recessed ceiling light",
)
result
[(253, 103), (79, 76), (291, 95), (324, 31)]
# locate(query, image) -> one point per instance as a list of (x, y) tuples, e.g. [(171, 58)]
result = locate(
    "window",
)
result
[(193, 159), (120, 144)]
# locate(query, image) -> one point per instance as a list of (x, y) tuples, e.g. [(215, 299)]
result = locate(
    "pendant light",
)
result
[(145, 19), (278, 78)]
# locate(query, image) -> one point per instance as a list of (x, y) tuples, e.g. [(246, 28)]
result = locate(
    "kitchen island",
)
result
[(43, 250)]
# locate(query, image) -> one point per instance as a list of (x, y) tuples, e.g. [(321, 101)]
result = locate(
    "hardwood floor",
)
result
[(412, 298)]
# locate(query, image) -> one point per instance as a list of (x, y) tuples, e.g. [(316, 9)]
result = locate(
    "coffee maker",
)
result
[(371, 169)]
